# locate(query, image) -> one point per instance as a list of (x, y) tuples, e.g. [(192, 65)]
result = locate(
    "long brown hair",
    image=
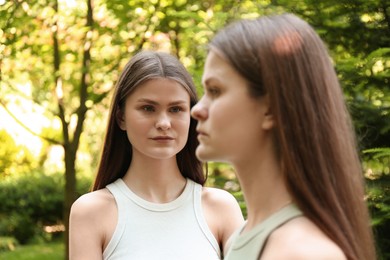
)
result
[(117, 150), (283, 57)]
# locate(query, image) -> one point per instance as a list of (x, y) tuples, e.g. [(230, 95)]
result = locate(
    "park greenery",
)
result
[(60, 59)]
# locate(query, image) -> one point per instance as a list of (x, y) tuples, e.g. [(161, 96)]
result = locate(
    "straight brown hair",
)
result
[(282, 56), (117, 150)]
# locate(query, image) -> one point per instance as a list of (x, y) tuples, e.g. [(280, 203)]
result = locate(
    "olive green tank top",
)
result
[(249, 245)]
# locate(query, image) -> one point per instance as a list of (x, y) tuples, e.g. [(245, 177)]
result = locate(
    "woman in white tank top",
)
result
[(148, 199)]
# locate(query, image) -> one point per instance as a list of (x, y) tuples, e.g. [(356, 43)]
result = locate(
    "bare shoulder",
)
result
[(301, 239), (218, 198), (223, 214), (93, 202), (221, 202), (93, 218), (96, 209)]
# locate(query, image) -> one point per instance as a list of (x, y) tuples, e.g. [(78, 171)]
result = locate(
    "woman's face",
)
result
[(230, 122), (156, 118)]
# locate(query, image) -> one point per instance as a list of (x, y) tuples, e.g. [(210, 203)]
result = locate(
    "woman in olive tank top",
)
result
[(274, 109)]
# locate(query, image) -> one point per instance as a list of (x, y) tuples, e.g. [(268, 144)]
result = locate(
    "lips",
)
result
[(202, 136), (162, 138), (200, 132)]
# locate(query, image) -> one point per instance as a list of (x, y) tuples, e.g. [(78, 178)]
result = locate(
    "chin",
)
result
[(203, 155)]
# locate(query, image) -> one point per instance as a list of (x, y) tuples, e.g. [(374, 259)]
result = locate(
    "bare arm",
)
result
[(92, 217)]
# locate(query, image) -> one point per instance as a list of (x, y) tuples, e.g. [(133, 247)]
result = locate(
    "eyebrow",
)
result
[(209, 81), (152, 102)]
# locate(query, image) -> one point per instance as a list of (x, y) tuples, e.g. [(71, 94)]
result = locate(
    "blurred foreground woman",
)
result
[(274, 109)]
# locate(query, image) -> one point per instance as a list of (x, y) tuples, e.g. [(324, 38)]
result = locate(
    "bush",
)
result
[(30, 202), (378, 198), (19, 226), (8, 244)]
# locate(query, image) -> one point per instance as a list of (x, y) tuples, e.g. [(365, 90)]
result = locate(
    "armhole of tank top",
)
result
[(290, 212), (120, 225), (202, 220)]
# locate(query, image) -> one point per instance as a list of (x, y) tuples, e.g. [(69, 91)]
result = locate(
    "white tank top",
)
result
[(174, 230)]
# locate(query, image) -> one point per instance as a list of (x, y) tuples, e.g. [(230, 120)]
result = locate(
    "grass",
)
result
[(49, 251)]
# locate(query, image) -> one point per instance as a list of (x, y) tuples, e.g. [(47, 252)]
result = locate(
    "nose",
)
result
[(199, 111), (163, 122)]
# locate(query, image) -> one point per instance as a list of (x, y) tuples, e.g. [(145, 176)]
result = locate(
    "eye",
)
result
[(176, 109), (213, 91), (147, 108)]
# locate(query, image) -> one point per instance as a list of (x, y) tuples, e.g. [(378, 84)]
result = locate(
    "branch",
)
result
[(50, 140), (82, 110), (148, 25), (24, 95), (57, 79)]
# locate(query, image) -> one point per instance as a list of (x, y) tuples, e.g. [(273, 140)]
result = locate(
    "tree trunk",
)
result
[(70, 188), (72, 146)]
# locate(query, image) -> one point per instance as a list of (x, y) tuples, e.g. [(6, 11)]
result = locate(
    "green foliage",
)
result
[(371, 124), (47, 251), (30, 202), (8, 244), (20, 226), (379, 152), (378, 198), (14, 158), (377, 172), (240, 199), (222, 176), (8, 151), (356, 33)]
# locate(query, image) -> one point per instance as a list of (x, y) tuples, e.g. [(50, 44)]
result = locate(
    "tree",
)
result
[(42, 46), (70, 56)]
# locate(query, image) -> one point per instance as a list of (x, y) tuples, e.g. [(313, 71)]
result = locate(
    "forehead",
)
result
[(158, 88), (212, 66), (217, 68)]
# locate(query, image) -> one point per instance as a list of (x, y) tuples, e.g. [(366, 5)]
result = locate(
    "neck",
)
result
[(155, 180), (264, 189)]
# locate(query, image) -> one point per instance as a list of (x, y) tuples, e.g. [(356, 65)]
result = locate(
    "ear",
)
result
[(268, 119), (119, 117)]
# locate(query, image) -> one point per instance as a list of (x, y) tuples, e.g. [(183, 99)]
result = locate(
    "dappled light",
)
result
[(60, 61)]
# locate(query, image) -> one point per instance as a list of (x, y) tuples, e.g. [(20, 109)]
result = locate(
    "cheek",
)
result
[(220, 116), (183, 125), (229, 123), (181, 129), (137, 128), (138, 123)]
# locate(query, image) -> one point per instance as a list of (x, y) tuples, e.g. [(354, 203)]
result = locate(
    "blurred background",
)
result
[(60, 59)]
